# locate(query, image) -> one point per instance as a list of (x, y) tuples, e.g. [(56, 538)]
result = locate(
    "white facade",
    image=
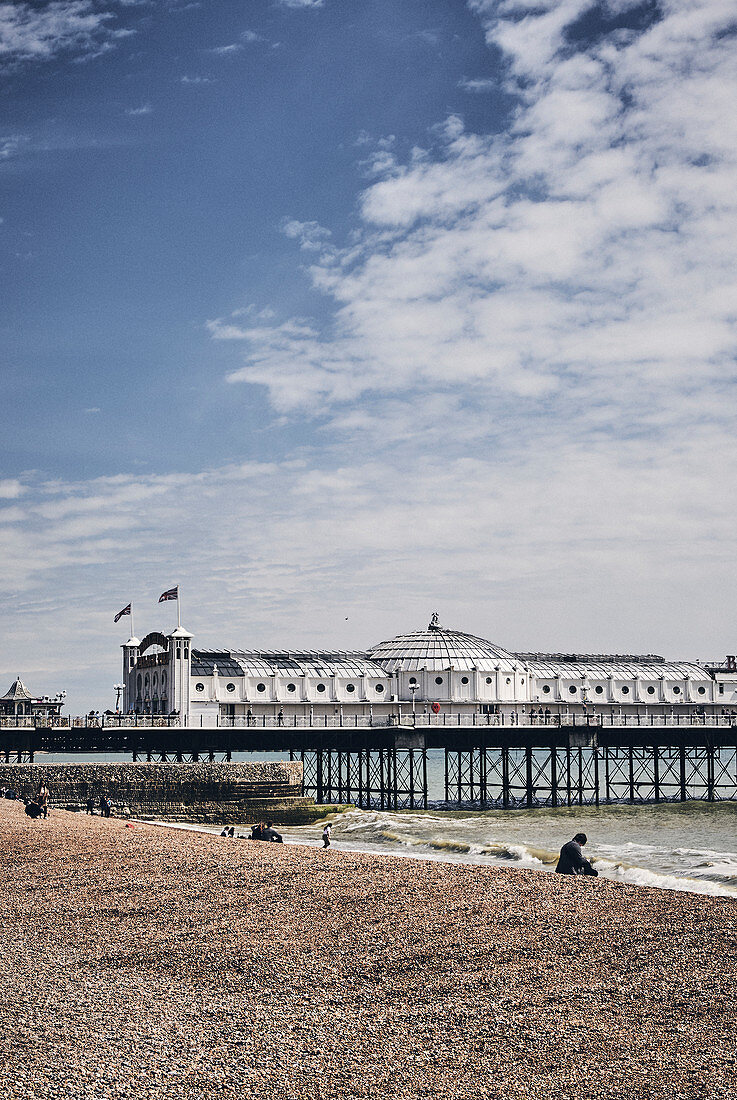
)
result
[(427, 671)]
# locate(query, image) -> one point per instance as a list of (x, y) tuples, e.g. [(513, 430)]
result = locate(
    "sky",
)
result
[(338, 312)]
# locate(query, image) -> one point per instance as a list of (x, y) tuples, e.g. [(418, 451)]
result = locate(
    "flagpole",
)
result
[(133, 633), (179, 613)]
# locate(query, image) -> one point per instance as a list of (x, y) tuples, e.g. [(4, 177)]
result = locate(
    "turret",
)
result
[(130, 660), (180, 664)]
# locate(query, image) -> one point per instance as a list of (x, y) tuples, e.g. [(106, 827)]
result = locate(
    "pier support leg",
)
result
[(505, 778), (710, 773), (529, 792), (424, 779), (553, 775)]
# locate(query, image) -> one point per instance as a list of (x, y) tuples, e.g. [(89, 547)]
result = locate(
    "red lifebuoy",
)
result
[(435, 708)]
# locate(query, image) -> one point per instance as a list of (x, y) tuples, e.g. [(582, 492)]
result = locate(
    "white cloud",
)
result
[(137, 112), (312, 237), (29, 33), (479, 85), (591, 241), (10, 489), (295, 4), (12, 145)]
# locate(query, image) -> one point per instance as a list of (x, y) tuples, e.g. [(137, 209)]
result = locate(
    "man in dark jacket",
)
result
[(572, 860)]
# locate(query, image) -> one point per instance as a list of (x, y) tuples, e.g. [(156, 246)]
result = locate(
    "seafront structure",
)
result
[(18, 702), (422, 673)]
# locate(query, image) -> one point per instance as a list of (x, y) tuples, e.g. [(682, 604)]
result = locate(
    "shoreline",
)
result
[(515, 856)]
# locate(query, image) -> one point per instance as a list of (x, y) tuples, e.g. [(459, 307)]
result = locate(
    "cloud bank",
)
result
[(40, 32)]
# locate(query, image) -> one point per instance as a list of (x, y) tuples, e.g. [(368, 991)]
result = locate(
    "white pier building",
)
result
[(426, 672)]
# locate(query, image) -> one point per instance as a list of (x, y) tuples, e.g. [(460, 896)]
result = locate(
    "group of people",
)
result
[(265, 830), (104, 804)]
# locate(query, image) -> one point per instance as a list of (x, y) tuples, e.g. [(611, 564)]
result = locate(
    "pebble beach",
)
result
[(153, 963)]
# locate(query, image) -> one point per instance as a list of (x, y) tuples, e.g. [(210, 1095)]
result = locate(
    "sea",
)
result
[(689, 846)]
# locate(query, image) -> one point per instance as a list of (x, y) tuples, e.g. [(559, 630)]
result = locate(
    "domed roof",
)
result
[(437, 649)]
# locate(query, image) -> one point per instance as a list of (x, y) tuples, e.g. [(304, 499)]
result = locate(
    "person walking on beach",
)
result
[(572, 860), (43, 799), (326, 835)]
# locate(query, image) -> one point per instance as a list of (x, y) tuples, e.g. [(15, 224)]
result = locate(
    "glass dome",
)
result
[(437, 649)]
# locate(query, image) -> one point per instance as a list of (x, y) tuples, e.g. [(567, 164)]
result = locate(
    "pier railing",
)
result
[(382, 721)]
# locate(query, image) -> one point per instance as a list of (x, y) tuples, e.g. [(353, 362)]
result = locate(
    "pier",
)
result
[(489, 760)]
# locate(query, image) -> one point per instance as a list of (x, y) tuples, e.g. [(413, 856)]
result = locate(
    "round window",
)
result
[(320, 687), (291, 687), (438, 679), (509, 679), (231, 687), (488, 679), (546, 689), (260, 687), (599, 689), (676, 690), (413, 679), (199, 687), (350, 687), (573, 689), (379, 688), (625, 690), (702, 691), (651, 691), (464, 679)]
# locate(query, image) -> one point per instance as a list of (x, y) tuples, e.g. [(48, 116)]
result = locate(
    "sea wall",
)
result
[(201, 793)]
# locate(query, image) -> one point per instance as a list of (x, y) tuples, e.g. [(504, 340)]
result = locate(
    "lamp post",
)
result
[(118, 689), (413, 688)]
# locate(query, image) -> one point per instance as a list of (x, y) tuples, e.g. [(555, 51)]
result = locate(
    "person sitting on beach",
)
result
[(270, 833), (257, 831), (33, 810), (572, 860)]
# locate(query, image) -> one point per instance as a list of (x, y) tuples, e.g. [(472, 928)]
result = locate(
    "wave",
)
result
[(643, 876)]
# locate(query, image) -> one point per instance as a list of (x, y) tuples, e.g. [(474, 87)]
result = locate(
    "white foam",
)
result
[(641, 876)]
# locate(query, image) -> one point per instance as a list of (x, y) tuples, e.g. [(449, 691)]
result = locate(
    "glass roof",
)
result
[(620, 670), (313, 663), (436, 649)]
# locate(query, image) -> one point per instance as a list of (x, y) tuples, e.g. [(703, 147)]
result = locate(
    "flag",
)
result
[(170, 594), (125, 611)]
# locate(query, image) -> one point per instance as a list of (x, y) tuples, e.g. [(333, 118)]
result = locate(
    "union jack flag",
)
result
[(170, 594), (125, 611)]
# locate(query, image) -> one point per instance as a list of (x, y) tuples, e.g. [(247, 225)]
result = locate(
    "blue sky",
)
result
[(337, 312)]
